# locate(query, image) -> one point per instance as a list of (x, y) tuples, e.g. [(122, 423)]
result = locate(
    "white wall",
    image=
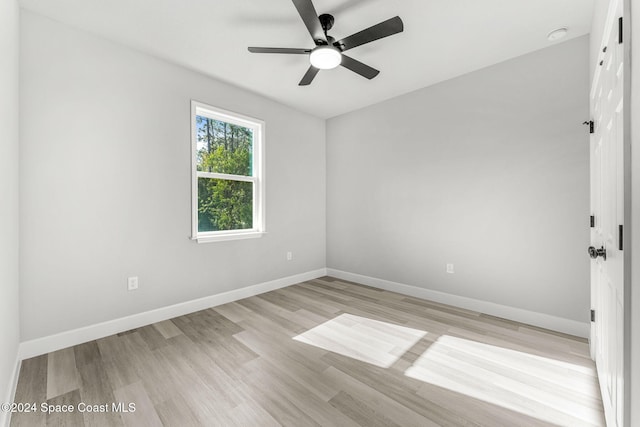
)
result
[(105, 190), (488, 171), (9, 220)]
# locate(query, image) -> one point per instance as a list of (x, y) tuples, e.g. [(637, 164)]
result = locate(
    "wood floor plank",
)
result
[(86, 354), (279, 407), (370, 400), (322, 352), (176, 412), (399, 388), (63, 410), (361, 412), (316, 306), (167, 328), (484, 413), (281, 300), (190, 365), (498, 388), (62, 375), (96, 389), (32, 389), (295, 361), (274, 317), (152, 337), (144, 414), (253, 415), (297, 393), (116, 356), (232, 311)]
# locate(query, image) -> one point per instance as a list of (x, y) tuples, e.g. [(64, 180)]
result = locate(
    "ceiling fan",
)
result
[(328, 52)]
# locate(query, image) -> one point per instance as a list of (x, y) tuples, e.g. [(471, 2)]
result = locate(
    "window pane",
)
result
[(223, 147), (224, 205)]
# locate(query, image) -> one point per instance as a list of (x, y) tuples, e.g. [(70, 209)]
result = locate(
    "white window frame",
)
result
[(257, 150)]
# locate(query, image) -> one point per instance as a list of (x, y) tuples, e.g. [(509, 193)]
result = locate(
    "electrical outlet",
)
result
[(132, 283), (450, 268), (289, 256)]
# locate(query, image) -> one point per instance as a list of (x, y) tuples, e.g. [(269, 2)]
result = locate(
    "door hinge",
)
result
[(620, 236), (593, 315), (592, 221), (620, 30), (591, 125)]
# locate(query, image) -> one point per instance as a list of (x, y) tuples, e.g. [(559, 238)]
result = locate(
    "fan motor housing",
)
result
[(326, 21)]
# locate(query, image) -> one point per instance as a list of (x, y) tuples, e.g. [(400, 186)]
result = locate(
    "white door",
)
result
[(607, 208)]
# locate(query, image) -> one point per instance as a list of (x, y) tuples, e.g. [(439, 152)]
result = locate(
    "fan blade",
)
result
[(310, 18), (309, 76), (358, 67), (384, 29), (279, 50)]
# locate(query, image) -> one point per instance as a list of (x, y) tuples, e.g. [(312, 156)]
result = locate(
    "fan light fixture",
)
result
[(327, 52), (325, 57)]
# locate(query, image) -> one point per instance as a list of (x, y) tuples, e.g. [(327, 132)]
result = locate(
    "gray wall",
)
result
[(9, 220), (105, 190), (488, 171), (9, 317)]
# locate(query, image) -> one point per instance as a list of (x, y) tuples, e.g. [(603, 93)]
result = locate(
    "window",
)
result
[(227, 174)]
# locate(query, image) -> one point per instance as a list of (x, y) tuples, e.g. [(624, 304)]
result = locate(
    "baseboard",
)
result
[(73, 337), (542, 320), (5, 417)]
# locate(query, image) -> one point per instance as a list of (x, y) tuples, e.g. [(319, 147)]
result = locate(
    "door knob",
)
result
[(595, 253)]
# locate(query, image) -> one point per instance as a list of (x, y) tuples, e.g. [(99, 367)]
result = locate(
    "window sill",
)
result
[(229, 236)]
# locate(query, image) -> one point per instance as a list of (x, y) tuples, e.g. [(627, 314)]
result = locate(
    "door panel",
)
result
[(607, 206)]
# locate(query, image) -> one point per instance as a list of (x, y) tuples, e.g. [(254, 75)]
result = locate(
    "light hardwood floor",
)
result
[(324, 352)]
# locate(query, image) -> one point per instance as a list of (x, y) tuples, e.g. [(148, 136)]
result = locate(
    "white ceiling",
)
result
[(442, 39)]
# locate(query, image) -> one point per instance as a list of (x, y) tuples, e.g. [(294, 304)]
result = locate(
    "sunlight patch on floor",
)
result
[(519, 381), (367, 340)]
